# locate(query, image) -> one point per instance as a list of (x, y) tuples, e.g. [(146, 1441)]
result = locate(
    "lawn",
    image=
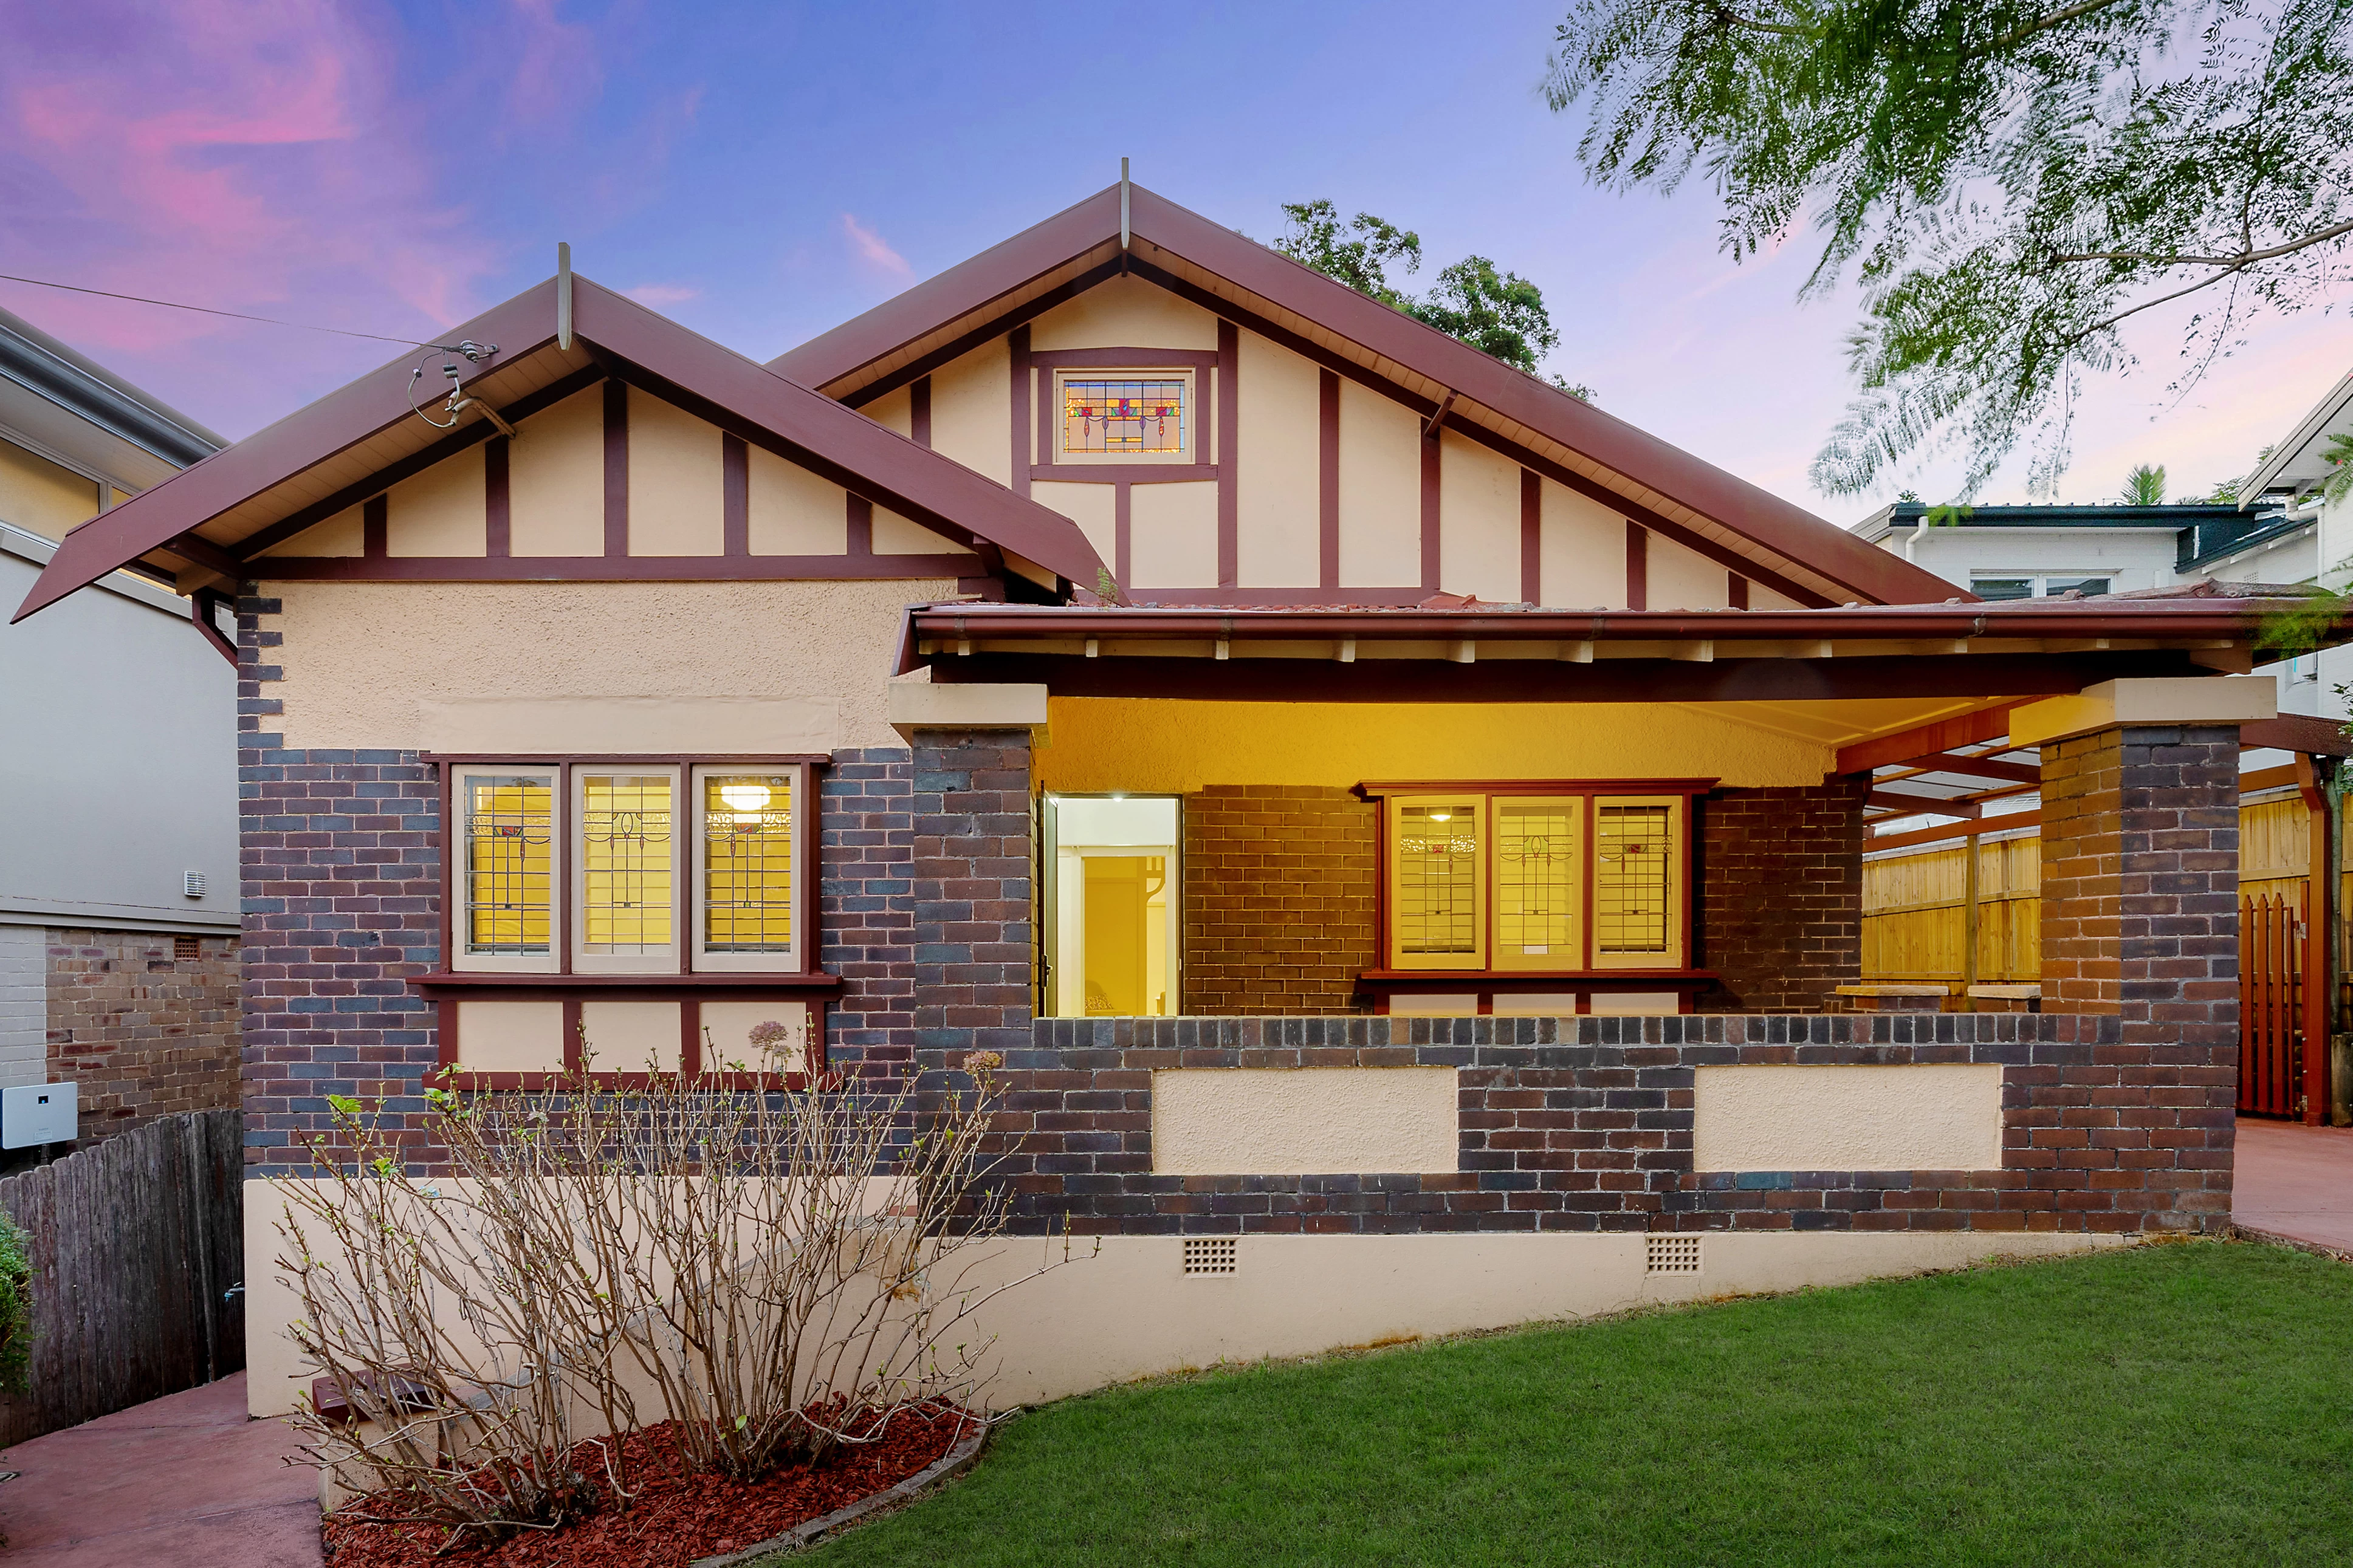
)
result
[(2166, 1405)]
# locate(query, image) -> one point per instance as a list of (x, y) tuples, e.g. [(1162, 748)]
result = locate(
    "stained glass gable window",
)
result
[(1132, 416)]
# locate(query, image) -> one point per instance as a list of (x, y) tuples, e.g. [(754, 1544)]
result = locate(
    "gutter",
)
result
[(47, 369)]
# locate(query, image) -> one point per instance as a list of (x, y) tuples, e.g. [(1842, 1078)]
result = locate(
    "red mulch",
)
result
[(677, 1517)]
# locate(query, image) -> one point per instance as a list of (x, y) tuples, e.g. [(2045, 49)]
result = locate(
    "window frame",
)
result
[(795, 958), (1681, 795)]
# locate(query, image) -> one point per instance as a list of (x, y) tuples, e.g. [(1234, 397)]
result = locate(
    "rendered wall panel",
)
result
[(1380, 491), (1246, 1120), (1937, 1117), (1125, 313), (1278, 467), (556, 479), (440, 512), (1479, 520), (792, 511), (1093, 508), (677, 482), (1682, 579), (971, 411), (1581, 552), (1173, 531)]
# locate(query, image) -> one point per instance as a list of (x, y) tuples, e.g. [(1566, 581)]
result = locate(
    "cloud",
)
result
[(248, 156), (873, 249), (660, 294)]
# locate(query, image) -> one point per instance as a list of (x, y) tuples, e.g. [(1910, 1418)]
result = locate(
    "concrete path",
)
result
[(2295, 1180), (186, 1480)]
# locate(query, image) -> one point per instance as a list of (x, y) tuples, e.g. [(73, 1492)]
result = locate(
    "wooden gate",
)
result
[(2272, 936)]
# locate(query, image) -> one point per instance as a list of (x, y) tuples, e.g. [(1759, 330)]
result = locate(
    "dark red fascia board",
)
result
[(2192, 619), (923, 484), (970, 287)]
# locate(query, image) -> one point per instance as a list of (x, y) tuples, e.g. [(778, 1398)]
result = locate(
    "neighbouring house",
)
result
[(1951, 875), (118, 873), (1402, 827)]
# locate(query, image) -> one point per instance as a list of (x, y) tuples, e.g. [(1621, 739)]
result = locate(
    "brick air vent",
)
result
[(186, 947), (1671, 1255), (1209, 1255)]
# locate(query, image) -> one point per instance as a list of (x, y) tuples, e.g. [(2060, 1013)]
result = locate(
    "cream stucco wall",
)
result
[(893, 410), (1681, 579), (677, 482), (1126, 312), (346, 534), (1152, 744), (1581, 552), (789, 511), (1094, 508), (1278, 464), (1942, 1117), (556, 479), (1479, 520), (441, 511), (510, 1037), (1173, 534), (1380, 491), (896, 535), (1217, 1121), (1130, 1311), (971, 411), (629, 666)]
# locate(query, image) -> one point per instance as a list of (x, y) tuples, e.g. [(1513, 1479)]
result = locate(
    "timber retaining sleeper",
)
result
[(955, 1462)]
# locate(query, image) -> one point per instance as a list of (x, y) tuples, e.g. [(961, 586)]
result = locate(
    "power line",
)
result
[(208, 310)]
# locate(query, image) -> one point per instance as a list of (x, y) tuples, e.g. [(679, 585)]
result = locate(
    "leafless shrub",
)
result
[(778, 1270)]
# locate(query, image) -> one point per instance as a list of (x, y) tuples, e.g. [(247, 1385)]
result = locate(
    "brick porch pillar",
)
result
[(2140, 919), (974, 872)]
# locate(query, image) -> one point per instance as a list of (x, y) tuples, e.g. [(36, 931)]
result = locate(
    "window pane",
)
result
[(2090, 587), (624, 864), (1124, 415), (1438, 878), (1630, 883), (747, 862), (1537, 889), (508, 859), (2002, 587)]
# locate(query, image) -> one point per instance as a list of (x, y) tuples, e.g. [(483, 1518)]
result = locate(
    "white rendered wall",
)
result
[(24, 1007)]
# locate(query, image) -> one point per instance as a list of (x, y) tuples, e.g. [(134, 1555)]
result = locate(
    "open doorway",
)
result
[(1113, 928)]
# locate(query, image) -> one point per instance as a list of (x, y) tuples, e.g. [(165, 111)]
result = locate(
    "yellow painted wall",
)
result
[(1582, 551), (37, 495), (677, 482), (1380, 491), (1101, 743), (1277, 488), (392, 665), (1479, 522), (441, 511), (556, 479)]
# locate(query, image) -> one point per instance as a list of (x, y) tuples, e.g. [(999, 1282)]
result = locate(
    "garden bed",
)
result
[(677, 1518)]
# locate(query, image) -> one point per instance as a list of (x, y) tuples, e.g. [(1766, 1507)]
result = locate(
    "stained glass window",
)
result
[(1630, 882), (747, 863), (1139, 416), (624, 864), (1539, 885), (510, 862), (1435, 878)]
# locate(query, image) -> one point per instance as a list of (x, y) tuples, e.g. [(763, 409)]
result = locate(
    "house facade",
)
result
[(1401, 825), (118, 874)]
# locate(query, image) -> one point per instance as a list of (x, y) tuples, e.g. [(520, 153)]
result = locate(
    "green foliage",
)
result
[(2339, 484), (2155, 1404), (2012, 181), (2145, 485), (1495, 311), (16, 1308)]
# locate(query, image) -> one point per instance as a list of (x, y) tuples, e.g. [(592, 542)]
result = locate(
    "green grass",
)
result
[(2166, 1404)]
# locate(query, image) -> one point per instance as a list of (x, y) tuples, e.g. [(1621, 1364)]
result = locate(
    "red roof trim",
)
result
[(901, 474), (1790, 532)]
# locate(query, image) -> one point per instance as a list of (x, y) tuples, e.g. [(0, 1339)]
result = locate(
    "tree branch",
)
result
[(2044, 24), (2233, 263), (1782, 29)]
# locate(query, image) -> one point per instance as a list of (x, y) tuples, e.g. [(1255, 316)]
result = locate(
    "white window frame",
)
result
[(583, 960), (461, 849), (1189, 438), (796, 957)]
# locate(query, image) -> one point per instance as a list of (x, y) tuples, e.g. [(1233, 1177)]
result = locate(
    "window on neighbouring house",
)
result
[(1143, 416), (2002, 587), (1536, 883), (2038, 587), (2090, 587)]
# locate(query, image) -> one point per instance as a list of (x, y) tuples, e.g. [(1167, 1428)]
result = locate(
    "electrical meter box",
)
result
[(38, 1113)]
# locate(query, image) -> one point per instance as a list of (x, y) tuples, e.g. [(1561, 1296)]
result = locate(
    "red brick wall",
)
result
[(1781, 895), (1279, 906), (140, 1032), (2083, 879)]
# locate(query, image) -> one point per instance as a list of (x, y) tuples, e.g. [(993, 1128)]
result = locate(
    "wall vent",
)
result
[(192, 883), (1671, 1255), (1209, 1255), (187, 947)]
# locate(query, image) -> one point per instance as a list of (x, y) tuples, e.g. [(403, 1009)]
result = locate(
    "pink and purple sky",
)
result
[(762, 171)]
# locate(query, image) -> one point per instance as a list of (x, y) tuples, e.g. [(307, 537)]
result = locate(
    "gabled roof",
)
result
[(349, 443), (947, 315), (2296, 463), (84, 413)]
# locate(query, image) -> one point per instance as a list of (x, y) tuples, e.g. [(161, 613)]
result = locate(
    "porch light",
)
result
[(744, 797)]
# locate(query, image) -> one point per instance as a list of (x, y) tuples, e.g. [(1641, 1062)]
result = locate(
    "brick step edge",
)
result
[(956, 1461)]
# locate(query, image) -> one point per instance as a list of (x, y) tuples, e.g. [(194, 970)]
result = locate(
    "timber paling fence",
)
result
[(135, 1245)]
